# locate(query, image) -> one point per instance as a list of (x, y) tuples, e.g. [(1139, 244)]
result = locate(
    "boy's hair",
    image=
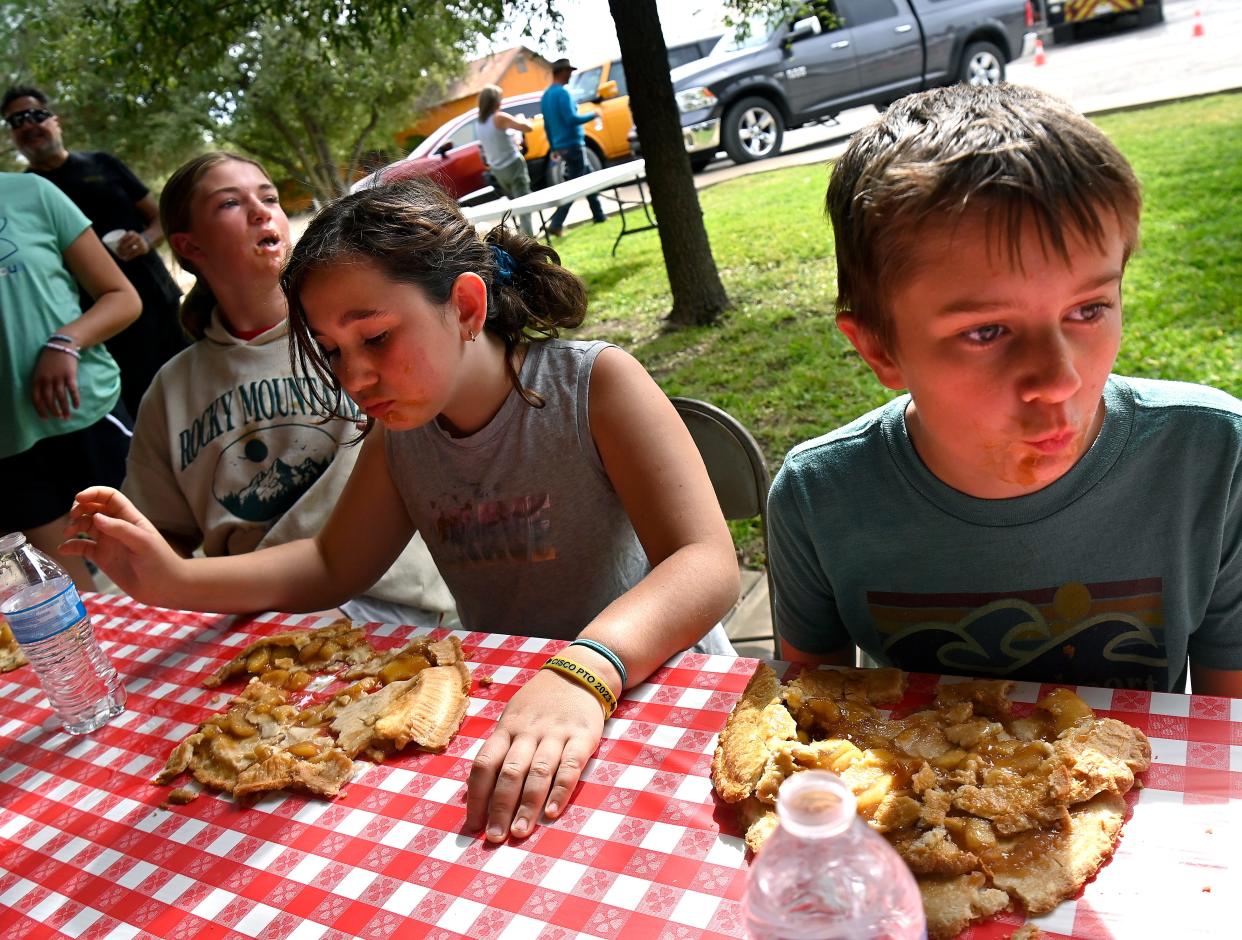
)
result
[(22, 91), (414, 233), (1012, 152), (176, 203)]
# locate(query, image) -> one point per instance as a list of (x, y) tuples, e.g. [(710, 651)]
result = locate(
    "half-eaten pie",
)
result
[(11, 655), (270, 738), (986, 807)]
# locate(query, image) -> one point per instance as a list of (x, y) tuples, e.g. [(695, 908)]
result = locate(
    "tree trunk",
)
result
[(698, 295)]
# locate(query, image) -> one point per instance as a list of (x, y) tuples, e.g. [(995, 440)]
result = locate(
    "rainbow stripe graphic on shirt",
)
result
[(1109, 634)]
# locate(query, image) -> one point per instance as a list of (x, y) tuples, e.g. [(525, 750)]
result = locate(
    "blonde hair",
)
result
[(176, 204), (489, 101)]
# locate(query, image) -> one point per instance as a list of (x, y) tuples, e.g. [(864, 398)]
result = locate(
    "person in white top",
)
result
[(230, 452), (501, 137)]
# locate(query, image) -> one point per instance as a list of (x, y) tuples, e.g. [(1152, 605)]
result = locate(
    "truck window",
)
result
[(530, 111), (585, 85), (752, 32), (467, 133), (828, 13), (617, 74), (862, 12)]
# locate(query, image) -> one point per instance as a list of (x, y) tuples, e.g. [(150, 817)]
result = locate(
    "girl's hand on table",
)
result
[(120, 540), (534, 758)]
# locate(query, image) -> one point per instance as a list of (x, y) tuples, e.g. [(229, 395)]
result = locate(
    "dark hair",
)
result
[(22, 91), (414, 233), (176, 204), (1011, 151)]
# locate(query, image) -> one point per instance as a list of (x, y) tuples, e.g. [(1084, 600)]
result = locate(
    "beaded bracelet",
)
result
[(608, 654), (583, 676), (68, 350), (62, 338)]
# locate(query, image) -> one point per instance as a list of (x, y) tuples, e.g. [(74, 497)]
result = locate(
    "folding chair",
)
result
[(738, 474)]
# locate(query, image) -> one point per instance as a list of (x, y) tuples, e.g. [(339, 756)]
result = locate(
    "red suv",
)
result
[(452, 155)]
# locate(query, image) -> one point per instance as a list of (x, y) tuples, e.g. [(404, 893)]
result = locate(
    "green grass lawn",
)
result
[(776, 360)]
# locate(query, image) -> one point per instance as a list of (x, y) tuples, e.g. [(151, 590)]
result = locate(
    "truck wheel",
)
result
[(982, 64), (1151, 13), (753, 130)]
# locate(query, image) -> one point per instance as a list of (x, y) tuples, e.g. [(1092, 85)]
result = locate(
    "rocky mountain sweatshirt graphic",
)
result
[(230, 449)]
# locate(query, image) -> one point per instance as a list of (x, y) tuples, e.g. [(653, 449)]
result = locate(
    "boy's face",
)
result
[(1005, 367)]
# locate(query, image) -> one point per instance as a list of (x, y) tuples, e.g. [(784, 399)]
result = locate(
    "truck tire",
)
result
[(753, 130), (1151, 13), (982, 64)]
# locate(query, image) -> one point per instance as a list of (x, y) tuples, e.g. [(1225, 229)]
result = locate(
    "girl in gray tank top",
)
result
[(556, 487)]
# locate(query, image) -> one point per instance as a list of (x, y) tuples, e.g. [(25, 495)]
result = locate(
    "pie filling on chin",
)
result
[(270, 737), (986, 807)]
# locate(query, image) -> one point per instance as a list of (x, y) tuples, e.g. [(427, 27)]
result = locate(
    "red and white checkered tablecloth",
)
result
[(644, 850)]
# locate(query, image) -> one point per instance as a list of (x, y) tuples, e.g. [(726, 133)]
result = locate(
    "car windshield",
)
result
[(585, 85), (751, 32)]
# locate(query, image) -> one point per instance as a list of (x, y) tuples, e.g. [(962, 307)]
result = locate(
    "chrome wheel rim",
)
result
[(757, 131), (984, 69)]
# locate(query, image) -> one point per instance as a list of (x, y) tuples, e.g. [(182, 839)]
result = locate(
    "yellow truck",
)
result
[(1064, 17)]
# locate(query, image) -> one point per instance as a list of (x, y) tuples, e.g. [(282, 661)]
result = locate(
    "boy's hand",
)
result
[(533, 760), (106, 528)]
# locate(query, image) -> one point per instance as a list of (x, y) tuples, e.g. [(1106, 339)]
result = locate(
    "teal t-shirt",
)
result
[(1111, 576), (38, 296)]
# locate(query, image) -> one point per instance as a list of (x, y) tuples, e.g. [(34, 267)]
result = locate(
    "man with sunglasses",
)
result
[(113, 199)]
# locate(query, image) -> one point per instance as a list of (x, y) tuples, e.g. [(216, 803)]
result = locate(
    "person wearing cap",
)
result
[(563, 124), (113, 199)]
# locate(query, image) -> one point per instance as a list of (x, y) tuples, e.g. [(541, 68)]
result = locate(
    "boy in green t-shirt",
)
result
[(1021, 512)]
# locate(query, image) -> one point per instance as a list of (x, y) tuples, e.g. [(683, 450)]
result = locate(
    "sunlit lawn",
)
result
[(777, 362)]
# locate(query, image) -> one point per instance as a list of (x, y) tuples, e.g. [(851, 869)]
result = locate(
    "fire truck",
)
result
[(1065, 16)]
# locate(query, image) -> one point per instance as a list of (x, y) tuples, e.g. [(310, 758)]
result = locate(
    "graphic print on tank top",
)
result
[(1107, 634), (513, 529)]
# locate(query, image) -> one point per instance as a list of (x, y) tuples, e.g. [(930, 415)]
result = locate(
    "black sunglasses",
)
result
[(29, 116)]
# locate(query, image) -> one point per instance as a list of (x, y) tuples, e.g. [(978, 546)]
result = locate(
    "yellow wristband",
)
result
[(583, 676)]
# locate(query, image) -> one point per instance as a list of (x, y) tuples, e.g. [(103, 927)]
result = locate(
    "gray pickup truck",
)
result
[(831, 55)]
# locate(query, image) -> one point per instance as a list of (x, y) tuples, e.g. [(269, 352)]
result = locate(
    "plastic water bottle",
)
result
[(824, 874), (50, 623)]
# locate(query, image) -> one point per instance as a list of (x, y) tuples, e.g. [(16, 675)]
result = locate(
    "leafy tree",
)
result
[(312, 108), (56, 46), (318, 106)]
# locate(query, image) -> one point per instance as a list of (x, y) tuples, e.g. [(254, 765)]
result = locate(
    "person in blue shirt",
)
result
[(563, 124)]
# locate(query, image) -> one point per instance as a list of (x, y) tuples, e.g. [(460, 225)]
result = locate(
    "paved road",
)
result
[(1122, 69)]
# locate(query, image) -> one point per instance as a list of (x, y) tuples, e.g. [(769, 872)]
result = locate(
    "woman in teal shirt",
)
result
[(57, 427)]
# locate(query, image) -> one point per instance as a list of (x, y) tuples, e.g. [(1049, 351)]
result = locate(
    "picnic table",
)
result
[(606, 182), (90, 848)]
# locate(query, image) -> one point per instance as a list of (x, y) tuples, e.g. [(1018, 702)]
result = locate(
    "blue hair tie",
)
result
[(504, 264)]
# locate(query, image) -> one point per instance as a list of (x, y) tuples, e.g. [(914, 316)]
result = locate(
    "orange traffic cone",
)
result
[(1040, 58), (1198, 30)]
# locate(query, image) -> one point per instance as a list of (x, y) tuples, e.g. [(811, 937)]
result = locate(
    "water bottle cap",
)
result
[(12, 541), (815, 804)]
